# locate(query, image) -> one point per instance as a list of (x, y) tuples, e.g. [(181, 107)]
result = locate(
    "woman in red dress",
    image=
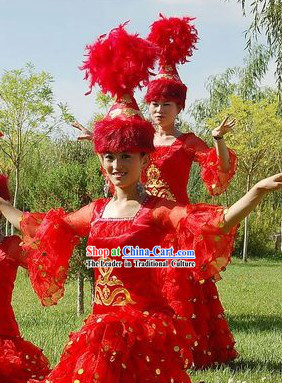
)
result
[(166, 95), (20, 360), (167, 176), (132, 334), (174, 150)]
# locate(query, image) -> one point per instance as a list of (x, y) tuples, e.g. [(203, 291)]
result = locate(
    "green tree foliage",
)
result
[(27, 115), (256, 137), (266, 18), (103, 103), (241, 81), (257, 141)]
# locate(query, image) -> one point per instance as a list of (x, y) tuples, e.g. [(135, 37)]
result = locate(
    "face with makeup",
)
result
[(123, 169), (164, 113)]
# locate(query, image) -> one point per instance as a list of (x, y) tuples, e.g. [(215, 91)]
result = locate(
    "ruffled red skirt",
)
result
[(215, 340), (126, 346), (20, 361), (200, 302)]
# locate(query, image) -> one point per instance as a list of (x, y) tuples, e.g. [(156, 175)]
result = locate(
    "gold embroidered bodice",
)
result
[(109, 290), (156, 186)]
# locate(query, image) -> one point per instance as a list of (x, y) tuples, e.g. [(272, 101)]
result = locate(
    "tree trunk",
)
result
[(7, 233), (246, 228), (226, 198), (281, 237), (80, 294), (92, 289), (245, 246), (16, 192)]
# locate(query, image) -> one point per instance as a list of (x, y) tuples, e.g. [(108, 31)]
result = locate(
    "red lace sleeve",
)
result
[(199, 228), (10, 248), (214, 178), (49, 240)]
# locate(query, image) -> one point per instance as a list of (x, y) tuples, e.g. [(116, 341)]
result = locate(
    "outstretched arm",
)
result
[(11, 213), (48, 240), (78, 221), (242, 208)]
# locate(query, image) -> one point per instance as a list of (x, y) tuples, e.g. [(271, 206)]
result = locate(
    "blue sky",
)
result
[(52, 35)]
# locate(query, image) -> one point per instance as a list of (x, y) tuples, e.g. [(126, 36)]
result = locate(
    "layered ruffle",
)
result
[(49, 243), (125, 345), (20, 361), (201, 230), (9, 247), (198, 304), (214, 178), (218, 336), (191, 292)]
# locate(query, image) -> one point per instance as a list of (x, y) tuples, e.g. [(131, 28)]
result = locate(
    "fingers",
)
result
[(224, 121), (278, 186), (226, 125), (278, 177), (84, 138), (230, 123), (78, 125)]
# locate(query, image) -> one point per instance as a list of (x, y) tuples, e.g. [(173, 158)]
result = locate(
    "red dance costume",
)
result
[(168, 172), (20, 360), (167, 176), (132, 334)]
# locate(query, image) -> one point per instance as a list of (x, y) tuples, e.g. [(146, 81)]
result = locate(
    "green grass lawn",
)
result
[(251, 295)]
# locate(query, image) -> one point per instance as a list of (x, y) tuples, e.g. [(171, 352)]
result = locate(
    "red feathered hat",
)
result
[(176, 38), (118, 63)]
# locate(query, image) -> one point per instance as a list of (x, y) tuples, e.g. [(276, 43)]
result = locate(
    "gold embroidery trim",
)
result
[(105, 295), (168, 76), (129, 112), (156, 186)]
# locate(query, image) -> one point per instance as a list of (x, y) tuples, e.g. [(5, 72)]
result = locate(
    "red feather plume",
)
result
[(176, 37), (119, 62)]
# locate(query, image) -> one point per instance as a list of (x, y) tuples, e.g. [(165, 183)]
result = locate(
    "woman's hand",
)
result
[(242, 208), (223, 128), (270, 184), (86, 134)]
